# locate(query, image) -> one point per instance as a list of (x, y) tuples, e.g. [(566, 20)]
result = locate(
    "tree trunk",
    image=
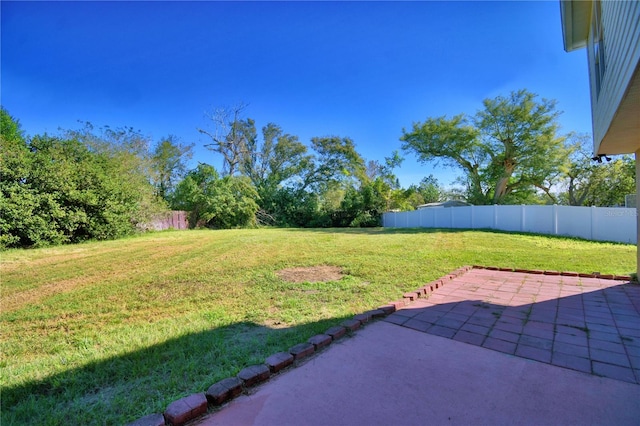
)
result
[(503, 182), (501, 189)]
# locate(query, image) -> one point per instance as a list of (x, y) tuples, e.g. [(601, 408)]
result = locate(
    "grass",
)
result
[(105, 333)]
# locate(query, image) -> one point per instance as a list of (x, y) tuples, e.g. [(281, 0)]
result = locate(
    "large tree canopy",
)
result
[(508, 151)]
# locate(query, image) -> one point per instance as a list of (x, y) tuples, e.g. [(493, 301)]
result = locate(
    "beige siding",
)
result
[(621, 28)]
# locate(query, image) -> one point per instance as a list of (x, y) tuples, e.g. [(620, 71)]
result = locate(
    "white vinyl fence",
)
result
[(591, 223)]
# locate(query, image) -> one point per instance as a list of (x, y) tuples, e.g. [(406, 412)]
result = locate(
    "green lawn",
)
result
[(105, 333)]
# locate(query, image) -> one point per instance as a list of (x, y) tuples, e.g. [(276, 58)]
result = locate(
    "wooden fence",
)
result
[(173, 219)]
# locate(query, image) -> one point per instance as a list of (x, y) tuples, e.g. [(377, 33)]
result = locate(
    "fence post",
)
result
[(555, 219), (472, 225), (495, 216), (593, 222), (522, 217)]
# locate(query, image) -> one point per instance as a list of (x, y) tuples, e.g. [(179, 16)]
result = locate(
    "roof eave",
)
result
[(575, 16)]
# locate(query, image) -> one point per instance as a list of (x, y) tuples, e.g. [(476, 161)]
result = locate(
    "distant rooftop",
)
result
[(450, 203)]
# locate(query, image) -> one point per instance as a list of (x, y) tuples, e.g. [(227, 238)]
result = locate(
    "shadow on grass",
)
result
[(122, 389)]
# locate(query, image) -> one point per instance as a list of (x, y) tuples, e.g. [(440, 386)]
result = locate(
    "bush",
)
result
[(216, 202), (58, 190)]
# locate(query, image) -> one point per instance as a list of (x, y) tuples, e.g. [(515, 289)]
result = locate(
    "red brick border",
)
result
[(188, 408), (254, 374), (224, 390), (277, 362), (302, 350), (336, 332), (320, 341)]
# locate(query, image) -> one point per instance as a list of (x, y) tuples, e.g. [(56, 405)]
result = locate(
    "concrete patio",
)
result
[(488, 347)]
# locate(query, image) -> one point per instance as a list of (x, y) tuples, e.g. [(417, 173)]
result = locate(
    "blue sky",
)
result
[(363, 70)]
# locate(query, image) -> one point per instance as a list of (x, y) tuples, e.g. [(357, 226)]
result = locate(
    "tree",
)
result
[(385, 184), (231, 136), (427, 191), (276, 166), (590, 183), (361, 207), (168, 163), (214, 201), (278, 160), (281, 166), (18, 201), (508, 151), (127, 153), (337, 161), (615, 180), (10, 128), (290, 206), (430, 190)]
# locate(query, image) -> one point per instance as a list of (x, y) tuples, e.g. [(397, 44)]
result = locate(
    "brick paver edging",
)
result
[(195, 405)]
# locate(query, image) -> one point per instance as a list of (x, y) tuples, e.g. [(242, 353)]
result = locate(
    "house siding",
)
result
[(621, 29)]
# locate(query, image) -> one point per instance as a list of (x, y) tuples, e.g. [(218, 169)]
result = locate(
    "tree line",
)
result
[(103, 183)]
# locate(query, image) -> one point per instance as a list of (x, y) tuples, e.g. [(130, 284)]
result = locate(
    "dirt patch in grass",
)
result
[(312, 274)]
